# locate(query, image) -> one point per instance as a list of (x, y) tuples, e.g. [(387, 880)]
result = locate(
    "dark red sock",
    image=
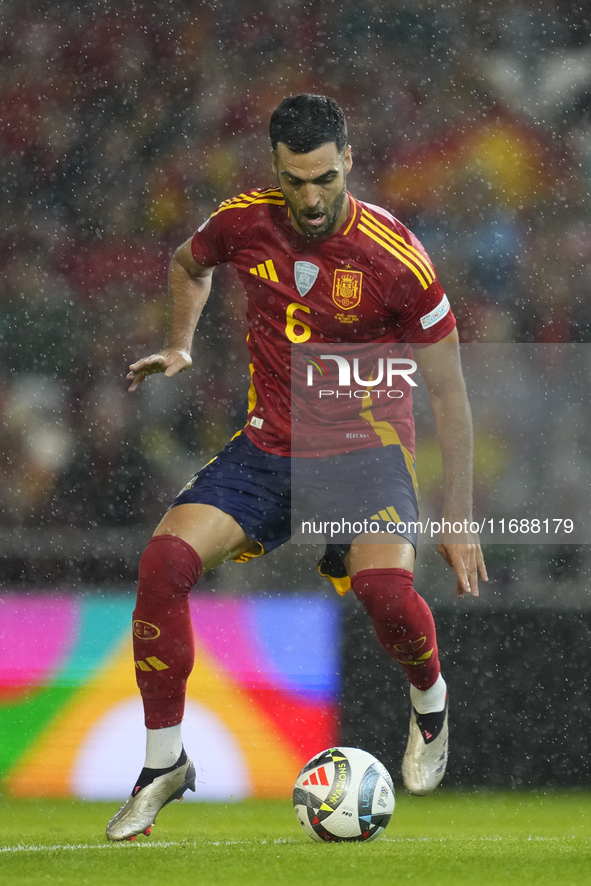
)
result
[(163, 644), (402, 621)]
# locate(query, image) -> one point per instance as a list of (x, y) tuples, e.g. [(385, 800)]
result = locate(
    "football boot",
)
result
[(425, 758), (138, 813)]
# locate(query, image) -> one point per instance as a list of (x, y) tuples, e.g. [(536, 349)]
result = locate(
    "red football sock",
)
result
[(163, 644), (402, 621)]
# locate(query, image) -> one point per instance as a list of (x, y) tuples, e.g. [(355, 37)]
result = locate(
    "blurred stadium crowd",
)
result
[(123, 125)]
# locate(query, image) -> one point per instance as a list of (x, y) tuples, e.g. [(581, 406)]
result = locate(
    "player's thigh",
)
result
[(364, 553), (213, 534)]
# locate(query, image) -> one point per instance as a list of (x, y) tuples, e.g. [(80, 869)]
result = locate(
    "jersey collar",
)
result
[(353, 219)]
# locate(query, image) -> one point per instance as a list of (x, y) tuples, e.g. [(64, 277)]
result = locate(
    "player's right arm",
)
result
[(188, 288)]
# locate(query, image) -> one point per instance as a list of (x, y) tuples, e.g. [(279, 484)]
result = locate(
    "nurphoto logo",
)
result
[(390, 370)]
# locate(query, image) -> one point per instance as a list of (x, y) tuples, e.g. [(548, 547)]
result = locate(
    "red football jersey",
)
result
[(371, 282)]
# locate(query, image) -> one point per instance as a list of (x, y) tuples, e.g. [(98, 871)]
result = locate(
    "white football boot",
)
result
[(425, 758), (138, 813)]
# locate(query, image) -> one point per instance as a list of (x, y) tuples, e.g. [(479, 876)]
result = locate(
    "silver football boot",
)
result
[(425, 758), (138, 813)]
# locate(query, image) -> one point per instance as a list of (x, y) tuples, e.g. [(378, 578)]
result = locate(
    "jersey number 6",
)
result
[(293, 323)]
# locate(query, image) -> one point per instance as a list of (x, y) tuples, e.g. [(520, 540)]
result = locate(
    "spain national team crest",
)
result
[(346, 290)]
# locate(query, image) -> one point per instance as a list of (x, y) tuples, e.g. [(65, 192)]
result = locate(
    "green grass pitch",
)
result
[(452, 837)]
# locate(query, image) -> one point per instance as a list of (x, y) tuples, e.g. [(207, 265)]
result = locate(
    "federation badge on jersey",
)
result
[(346, 289), (305, 274), (436, 314)]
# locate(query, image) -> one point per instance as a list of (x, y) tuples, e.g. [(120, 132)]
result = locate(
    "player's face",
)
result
[(314, 187)]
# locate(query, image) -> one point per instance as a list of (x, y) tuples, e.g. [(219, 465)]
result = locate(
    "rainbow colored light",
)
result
[(262, 698)]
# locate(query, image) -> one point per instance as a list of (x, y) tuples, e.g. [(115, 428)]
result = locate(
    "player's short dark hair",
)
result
[(304, 122)]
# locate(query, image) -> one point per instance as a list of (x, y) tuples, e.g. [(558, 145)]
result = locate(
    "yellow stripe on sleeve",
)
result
[(401, 243), (395, 252), (242, 205)]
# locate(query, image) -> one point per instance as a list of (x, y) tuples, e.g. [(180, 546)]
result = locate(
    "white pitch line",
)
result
[(166, 844), (20, 847), (144, 844)]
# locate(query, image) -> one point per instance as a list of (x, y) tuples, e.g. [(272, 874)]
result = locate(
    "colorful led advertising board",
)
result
[(262, 698)]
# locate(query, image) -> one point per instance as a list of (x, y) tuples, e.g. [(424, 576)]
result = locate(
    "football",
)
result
[(344, 795)]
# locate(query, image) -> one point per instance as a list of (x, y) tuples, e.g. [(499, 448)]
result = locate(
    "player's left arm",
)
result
[(442, 371)]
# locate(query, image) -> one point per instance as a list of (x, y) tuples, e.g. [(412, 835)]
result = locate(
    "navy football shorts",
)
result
[(377, 486)]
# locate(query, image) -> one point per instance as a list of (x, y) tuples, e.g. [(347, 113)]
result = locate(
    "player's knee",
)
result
[(169, 567)]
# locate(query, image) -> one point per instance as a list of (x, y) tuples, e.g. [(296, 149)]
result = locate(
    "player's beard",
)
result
[(331, 214)]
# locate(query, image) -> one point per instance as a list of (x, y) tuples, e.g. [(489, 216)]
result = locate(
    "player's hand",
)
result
[(468, 562), (169, 361)]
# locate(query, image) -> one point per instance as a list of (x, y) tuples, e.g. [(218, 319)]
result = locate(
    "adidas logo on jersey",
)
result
[(266, 270)]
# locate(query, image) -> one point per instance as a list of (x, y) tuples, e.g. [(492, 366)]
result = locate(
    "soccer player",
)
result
[(318, 266)]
